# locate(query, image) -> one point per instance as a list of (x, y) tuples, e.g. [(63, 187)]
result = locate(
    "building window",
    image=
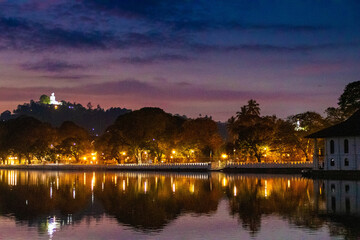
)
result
[(346, 146), (332, 187), (347, 205), (333, 204), (332, 162), (346, 162), (332, 147), (347, 188)]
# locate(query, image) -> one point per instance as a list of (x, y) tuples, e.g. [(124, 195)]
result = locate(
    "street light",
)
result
[(224, 156)]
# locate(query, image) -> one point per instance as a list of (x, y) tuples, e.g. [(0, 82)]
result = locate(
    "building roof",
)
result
[(350, 127)]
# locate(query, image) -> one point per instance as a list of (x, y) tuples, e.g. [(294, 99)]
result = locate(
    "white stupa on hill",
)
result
[(53, 100)]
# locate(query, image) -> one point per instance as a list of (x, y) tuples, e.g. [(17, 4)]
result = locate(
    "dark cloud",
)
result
[(50, 65), (149, 9), (208, 25), (67, 77), (270, 48), (21, 34), (155, 59), (174, 92), (190, 15)]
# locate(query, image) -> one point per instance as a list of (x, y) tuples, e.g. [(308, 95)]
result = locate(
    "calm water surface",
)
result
[(112, 205)]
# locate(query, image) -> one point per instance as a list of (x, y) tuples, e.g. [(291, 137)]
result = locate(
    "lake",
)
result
[(146, 205)]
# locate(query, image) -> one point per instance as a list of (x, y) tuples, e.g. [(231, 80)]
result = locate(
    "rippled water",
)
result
[(131, 205)]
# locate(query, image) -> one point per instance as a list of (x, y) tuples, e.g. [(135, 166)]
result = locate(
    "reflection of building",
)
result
[(342, 145), (342, 197)]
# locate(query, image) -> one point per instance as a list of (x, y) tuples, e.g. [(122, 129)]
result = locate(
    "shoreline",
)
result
[(175, 167), (264, 170), (200, 167)]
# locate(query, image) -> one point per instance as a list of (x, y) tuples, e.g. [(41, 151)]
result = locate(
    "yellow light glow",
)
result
[(192, 188), (235, 191), (123, 153), (173, 151), (224, 156), (93, 158), (265, 192), (84, 158), (224, 182)]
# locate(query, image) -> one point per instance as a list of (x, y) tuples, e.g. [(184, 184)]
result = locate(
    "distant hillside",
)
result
[(94, 120)]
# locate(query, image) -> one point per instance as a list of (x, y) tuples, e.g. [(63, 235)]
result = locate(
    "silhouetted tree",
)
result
[(44, 99), (252, 132), (349, 101)]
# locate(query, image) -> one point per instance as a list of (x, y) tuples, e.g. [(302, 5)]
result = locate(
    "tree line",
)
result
[(150, 135)]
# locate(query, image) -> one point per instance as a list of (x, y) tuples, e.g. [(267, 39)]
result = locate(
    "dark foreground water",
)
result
[(109, 205)]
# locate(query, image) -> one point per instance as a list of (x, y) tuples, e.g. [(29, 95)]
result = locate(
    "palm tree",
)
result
[(253, 108)]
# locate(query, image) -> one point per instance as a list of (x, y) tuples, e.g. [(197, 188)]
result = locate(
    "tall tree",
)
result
[(252, 132), (349, 101), (73, 141), (146, 129), (199, 138), (309, 122)]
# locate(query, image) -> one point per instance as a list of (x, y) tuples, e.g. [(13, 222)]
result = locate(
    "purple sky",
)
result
[(187, 57)]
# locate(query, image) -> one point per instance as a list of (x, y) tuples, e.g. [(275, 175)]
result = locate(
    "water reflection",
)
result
[(148, 202)]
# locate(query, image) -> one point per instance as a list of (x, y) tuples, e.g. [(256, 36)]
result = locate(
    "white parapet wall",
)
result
[(119, 167), (287, 165)]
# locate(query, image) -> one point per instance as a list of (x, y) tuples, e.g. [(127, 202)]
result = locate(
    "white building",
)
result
[(342, 145)]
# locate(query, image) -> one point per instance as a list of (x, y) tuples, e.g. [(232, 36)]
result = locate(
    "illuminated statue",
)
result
[(53, 101)]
